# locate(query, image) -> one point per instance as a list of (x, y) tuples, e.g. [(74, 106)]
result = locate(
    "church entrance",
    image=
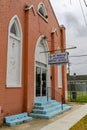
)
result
[(41, 81), (42, 71)]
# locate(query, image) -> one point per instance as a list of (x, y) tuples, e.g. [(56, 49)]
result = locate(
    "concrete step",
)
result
[(45, 102), (48, 110), (45, 116), (47, 105), (49, 115)]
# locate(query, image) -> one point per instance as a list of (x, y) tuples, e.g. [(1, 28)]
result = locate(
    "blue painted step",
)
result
[(51, 114), (44, 109), (47, 105), (17, 119), (45, 102)]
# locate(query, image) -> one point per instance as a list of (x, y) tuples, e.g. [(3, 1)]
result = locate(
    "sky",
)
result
[(73, 15)]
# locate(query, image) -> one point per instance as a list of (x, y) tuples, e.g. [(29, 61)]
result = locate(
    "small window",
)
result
[(13, 29), (42, 10)]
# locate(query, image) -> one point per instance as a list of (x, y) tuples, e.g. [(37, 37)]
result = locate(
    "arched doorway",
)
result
[(14, 56), (42, 69)]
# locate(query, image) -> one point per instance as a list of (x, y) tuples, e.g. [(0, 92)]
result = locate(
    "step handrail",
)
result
[(56, 94), (59, 95)]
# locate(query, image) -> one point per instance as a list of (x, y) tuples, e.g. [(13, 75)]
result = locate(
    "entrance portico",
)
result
[(42, 69)]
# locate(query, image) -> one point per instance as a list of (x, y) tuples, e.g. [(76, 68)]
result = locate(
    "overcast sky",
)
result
[(73, 15)]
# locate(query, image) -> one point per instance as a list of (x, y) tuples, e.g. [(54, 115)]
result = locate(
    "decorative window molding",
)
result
[(14, 54), (42, 11)]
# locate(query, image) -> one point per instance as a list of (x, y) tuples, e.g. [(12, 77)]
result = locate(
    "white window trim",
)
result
[(60, 76), (8, 85), (41, 3), (12, 35)]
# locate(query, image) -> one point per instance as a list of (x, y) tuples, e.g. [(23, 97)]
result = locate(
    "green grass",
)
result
[(81, 97), (81, 125)]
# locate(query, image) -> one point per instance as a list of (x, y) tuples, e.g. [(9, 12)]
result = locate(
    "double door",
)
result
[(41, 81)]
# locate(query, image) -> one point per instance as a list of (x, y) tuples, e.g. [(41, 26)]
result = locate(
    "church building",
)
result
[(29, 33)]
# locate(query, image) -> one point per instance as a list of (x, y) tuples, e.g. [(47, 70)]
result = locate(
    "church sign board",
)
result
[(58, 58)]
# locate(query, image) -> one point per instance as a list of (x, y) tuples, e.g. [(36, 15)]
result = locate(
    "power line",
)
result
[(70, 2), (81, 52), (83, 12), (78, 55), (78, 63), (85, 3)]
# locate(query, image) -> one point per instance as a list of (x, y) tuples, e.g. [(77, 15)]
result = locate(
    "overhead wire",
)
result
[(78, 63), (70, 2), (83, 12), (80, 68), (85, 3), (78, 55), (76, 66), (84, 17)]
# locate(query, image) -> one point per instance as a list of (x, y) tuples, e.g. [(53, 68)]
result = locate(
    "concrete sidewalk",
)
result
[(60, 122), (66, 122)]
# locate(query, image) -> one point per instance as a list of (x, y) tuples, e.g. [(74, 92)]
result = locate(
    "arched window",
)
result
[(42, 10), (14, 56), (13, 29)]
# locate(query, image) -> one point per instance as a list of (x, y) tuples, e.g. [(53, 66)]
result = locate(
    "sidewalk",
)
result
[(66, 122), (60, 122)]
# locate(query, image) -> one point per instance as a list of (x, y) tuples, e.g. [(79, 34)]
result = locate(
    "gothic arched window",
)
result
[(42, 10), (14, 56), (13, 29)]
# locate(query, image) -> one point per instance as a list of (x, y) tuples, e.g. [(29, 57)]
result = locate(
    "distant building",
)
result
[(28, 30), (78, 82), (78, 79)]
